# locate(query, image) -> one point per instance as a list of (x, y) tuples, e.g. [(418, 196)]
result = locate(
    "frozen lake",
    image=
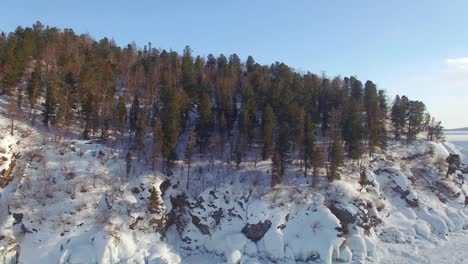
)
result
[(460, 139)]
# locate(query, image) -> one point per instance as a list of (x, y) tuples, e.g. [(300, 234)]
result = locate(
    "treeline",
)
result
[(151, 95)]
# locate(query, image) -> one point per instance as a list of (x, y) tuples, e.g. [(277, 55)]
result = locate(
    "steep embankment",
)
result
[(71, 202)]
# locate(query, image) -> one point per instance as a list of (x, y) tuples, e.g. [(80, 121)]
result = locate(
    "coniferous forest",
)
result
[(228, 108)]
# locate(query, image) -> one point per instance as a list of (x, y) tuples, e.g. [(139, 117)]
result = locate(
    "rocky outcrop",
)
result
[(204, 229), (357, 212), (255, 232)]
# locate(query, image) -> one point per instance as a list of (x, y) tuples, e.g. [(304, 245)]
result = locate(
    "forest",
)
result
[(144, 99)]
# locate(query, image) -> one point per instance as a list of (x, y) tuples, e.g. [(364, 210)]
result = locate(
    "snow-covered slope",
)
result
[(70, 201)]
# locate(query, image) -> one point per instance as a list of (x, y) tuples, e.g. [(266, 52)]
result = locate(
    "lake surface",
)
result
[(460, 139)]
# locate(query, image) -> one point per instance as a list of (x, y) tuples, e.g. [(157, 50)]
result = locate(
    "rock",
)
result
[(132, 225), (179, 215), (164, 186), (343, 215), (135, 190), (18, 218), (217, 215), (255, 232), (204, 229)]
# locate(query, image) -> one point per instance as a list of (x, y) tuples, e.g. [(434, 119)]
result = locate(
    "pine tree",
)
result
[(34, 89), (336, 158), (140, 133), (158, 137), (318, 161), (89, 114), (276, 173), (415, 119), (336, 151), (399, 115), (189, 155), (454, 163), (435, 130), (373, 121), (354, 131), (283, 144), (383, 108), (121, 111), (128, 159), (250, 64), (205, 122), (308, 144), (135, 112), (50, 106), (170, 120), (188, 77), (268, 129)]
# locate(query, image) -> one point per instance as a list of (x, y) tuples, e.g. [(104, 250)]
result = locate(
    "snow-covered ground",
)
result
[(71, 201), (452, 251)]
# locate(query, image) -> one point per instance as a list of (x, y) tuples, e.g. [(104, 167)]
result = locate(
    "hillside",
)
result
[(116, 154), (70, 201)]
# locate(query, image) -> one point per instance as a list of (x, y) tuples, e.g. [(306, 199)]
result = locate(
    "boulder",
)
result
[(255, 232)]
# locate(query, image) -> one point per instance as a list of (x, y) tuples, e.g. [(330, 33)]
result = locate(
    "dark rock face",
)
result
[(256, 231), (180, 213), (404, 194), (18, 218), (217, 216), (363, 216), (164, 186), (204, 229), (343, 215)]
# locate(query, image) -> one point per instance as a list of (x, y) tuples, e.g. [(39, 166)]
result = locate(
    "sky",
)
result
[(416, 48)]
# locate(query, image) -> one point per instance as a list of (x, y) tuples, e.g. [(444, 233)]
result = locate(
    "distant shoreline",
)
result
[(457, 129)]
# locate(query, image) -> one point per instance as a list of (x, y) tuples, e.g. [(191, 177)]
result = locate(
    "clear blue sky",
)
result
[(417, 48)]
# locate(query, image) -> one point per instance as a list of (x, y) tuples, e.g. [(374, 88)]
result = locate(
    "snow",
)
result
[(422, 229), (452, 251)]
